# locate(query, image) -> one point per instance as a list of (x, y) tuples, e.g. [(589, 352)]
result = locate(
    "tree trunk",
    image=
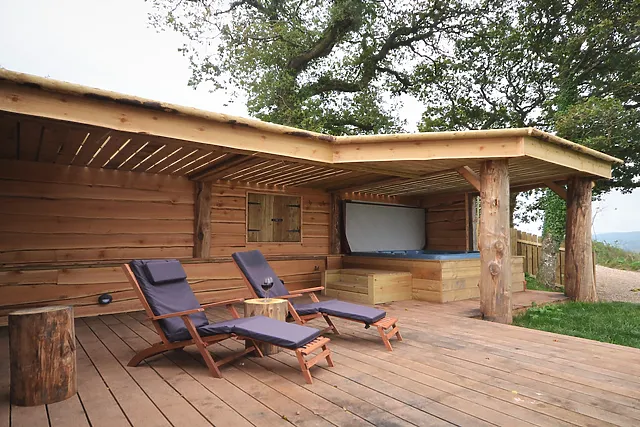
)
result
[(579, 277), (42, 351), (494, 242), (273, 308), (548, 262), (513, 204)]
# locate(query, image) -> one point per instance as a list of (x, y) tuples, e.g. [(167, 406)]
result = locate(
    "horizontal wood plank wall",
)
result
[(229, 230), (80, 287), (446, 222), (64, 230), (65, 214)]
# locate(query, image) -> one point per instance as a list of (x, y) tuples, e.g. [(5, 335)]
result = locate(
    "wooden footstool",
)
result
[(384, 324)]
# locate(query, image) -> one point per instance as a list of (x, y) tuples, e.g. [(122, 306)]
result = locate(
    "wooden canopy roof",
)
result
[(49, 121)]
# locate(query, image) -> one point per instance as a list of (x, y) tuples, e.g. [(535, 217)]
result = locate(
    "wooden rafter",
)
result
[(558, 189), (470, 175)]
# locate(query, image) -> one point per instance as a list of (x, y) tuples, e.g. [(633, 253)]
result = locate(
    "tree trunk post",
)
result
[(42, 352), (494, 242), (548, 261), (579, 277), (273, 308), (202, 220), (334, 229)]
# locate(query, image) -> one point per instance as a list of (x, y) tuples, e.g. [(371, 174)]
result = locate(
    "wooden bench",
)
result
[(367, 286)]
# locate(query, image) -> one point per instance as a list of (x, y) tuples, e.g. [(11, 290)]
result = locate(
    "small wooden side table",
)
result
[(42, 347), (274, 308)]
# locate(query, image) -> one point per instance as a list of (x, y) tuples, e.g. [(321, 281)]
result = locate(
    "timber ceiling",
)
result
[(42, 140)]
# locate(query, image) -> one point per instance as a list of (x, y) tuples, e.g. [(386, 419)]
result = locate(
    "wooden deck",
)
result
[(449, 370)]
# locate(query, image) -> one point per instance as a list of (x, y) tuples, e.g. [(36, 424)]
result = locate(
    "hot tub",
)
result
[(421, 254), (437, 276)]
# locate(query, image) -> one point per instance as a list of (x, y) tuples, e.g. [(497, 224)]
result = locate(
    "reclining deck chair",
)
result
[(255, 268), (180, 320)]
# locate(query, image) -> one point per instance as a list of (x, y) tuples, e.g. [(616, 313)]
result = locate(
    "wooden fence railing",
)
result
[(529, 246)]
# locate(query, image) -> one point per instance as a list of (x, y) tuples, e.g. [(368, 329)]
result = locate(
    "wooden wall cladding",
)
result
[(80, 287), (64, 214), (446, 222), (228, 223)]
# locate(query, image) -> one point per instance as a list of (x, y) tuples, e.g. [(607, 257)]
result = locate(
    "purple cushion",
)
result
[(164, 271), (168, 295), (256, 268), (346, 310), (272, 331), (224, 327)]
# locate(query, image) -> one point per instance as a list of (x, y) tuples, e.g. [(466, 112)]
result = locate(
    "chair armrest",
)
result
[(305, 291), (290, 296), (225, 302), (178, 314)]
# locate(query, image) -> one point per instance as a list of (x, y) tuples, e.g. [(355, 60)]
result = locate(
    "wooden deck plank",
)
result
[(515, 350), (209, 405), (68, 413), (553, 349), (396, 410), (512, 360), (276, 402), (439, 375), (359, 404), (484, 393), (247, 406), (577, 406), (174, 407), (99, 403), (139, 409), (29, 416)]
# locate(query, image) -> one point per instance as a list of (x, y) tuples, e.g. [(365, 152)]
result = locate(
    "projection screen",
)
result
[(377, 227)]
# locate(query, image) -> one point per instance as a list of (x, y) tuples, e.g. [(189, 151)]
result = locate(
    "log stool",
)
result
[(42, 349), (274, 308)]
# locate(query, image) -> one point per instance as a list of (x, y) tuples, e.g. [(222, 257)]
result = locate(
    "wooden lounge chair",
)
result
[(180, 320), (255, 268)]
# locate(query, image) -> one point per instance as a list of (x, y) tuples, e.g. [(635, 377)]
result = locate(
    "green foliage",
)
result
[(614, 257), (336, 67), (612, 322), (524, 60), (605, 124), (534, 285), (555, 216)]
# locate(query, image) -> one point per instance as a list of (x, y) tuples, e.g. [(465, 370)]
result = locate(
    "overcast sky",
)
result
[(109, 45)]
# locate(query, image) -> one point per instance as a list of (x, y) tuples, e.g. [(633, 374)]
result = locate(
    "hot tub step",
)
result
[(367, 286)]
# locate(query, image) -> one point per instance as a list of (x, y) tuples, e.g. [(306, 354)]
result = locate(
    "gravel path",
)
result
[(617, 285)]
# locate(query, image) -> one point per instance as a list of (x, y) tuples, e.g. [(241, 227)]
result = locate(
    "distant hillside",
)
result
[(629, 241)]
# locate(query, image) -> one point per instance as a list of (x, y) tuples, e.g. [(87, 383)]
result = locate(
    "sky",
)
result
[(110, 45)]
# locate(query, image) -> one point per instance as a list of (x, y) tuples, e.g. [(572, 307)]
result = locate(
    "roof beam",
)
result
[(551, 153), (470, 175), (96, 111), (488, 148)]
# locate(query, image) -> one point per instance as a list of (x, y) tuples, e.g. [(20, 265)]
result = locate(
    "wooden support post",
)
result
[(579, 277), (334, 228), (494, 242), (42, 347), (202, 221)]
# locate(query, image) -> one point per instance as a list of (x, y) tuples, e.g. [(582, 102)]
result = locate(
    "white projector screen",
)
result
[(372, 227)]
